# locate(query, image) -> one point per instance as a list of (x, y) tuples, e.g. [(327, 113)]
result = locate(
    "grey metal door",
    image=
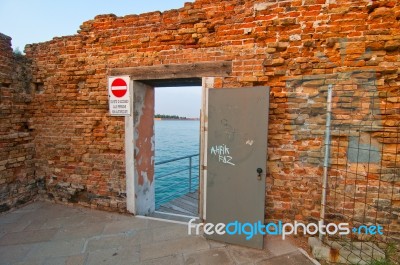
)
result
[(237, 147)]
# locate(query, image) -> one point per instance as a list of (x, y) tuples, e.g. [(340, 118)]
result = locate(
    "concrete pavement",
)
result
[(51, 234)]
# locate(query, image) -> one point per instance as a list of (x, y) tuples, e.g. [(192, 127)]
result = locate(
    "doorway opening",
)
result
[(139, 127), (177, 152)]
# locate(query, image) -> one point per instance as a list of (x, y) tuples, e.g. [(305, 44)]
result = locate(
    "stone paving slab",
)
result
[(243, 255), (26, 237), (293, 258), (61, 248), (277, 246), (14, 253), (209, 256), (173, 259), (174, 246), (50, 234)]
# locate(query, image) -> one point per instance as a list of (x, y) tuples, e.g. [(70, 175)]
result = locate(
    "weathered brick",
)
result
[(274, 62), (392, 45), (16, 147), (297, 48)]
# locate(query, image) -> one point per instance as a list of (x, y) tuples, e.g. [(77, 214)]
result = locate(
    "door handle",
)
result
[(259, 171)]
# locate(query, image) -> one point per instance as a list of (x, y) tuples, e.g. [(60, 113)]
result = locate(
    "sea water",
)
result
[(175, 139)]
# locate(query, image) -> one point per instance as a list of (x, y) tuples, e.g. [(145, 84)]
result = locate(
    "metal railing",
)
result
[(177, 189)]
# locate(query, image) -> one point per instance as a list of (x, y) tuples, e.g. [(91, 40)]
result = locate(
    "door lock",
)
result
[(259, 171)]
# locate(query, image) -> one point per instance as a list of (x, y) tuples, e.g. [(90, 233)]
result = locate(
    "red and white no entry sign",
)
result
[(119, 87), (119, 98)]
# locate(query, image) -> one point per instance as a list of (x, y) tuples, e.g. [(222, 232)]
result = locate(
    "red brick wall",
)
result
[(17, 181), (295, 47)]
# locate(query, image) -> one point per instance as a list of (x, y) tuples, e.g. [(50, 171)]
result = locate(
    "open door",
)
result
[(236, 155)]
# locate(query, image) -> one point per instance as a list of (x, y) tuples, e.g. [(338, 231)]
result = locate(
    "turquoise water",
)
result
[(175, 139)]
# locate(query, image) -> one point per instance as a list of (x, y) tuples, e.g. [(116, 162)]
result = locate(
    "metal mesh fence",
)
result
[(364, 171)]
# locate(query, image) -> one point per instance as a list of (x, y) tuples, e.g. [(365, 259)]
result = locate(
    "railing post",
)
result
[(190, 174)]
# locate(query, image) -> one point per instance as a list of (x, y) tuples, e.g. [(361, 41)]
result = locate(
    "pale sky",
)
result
[(181, 101), (33, 21)]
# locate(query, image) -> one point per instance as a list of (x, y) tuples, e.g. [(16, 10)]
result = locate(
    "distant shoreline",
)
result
[(169, 119)]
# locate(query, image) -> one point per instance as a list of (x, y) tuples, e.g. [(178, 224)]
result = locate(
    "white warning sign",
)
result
[(119, 95)]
